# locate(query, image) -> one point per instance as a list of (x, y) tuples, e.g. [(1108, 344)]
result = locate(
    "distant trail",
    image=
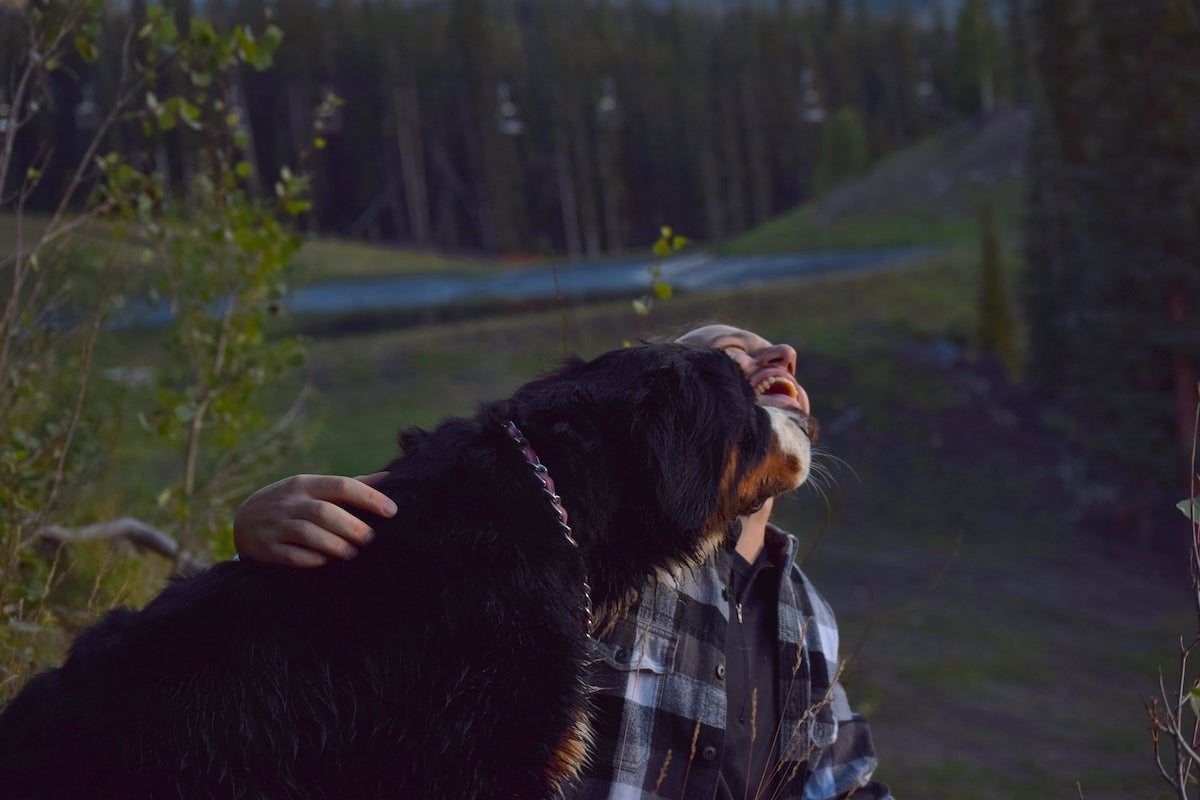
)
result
[(698, 272)]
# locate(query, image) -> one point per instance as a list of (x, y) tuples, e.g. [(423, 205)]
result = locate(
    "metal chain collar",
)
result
[(543, 475)]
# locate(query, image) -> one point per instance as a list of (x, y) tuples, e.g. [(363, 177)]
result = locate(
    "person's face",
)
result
[(770, 368)]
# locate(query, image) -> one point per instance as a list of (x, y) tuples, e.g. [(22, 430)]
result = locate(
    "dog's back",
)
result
[(368, 679), (353, 696)]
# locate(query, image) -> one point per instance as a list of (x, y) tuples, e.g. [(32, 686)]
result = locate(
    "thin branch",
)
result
[(85, 371), (130, 529), (236, 461)]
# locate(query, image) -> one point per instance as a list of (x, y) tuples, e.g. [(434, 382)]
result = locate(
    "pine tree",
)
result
[(997, 323), (1113, 236), (844, 152)]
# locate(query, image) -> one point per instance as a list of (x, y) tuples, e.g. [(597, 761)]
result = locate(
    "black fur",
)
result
[(447, 660)]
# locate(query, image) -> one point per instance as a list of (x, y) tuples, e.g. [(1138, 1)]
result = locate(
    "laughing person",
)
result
[(721, 682)]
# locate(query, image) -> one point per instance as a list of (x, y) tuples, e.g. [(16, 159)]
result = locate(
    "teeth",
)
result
[(775, 380)]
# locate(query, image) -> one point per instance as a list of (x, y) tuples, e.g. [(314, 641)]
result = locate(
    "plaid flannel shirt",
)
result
[(660, 703)]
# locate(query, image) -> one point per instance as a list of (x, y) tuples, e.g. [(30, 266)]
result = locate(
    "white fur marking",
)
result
[(792, 438)]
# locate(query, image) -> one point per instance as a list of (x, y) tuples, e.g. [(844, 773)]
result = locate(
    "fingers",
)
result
[(372, 479), (332, 520), (291, 556), (349, 491), (301, 521), (317, 538)]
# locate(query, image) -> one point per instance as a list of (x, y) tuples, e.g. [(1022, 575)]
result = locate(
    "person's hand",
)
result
[(297, 522)]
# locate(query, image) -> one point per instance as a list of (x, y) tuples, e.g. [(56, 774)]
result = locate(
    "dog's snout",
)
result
[(806, 423), (793, 438), (785, 464)]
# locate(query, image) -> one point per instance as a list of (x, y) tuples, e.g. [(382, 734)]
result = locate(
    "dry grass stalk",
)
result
[(1175, 721), (662, 773)]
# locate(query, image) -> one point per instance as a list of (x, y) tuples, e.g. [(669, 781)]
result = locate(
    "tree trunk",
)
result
[(735, 188), (412, 161), (756, 152), (589, 214), (710, 177), (610, 187), (566, 194)]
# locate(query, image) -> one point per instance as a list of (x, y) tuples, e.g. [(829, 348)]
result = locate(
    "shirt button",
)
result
[(622, 655), (721, 671), (709, 753)]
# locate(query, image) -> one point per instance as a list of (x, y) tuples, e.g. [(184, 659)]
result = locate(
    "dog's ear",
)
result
[(688, 424), (410, 438)]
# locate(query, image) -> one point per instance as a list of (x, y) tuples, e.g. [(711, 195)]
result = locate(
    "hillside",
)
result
[(942, 175), (927, 194)]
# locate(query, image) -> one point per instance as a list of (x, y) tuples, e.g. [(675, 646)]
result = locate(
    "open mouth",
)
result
[(776, 384)]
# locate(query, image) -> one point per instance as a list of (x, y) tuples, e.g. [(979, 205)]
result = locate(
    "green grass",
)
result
[(801, 229), (374, 383), (928, 194), (318, 260), (328, 260)]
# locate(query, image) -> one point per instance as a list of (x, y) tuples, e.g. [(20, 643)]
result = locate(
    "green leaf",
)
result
[(662, 247), (678, 242), (663, 290), (87, 49), (267, 46), (1194, 699), (189, 115), (641, 307), (1190, 509), (185, 412), (242, 170), (297, 207)]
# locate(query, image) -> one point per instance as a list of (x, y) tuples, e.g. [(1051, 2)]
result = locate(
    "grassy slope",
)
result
[(930, 193), (998, 652)]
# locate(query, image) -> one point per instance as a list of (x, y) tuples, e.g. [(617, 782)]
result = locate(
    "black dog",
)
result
[(448, 659)]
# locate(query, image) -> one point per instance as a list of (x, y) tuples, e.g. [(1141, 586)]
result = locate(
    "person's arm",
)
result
[(845, 768), (298, 521)]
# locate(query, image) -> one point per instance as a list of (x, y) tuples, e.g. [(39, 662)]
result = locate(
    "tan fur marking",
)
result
[(785, 466), (572, 751), (731, 466)]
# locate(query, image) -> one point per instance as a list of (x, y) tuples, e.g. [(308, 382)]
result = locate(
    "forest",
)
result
[(563, 126)]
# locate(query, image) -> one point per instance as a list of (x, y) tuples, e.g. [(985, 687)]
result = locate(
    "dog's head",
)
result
[(655, 450)]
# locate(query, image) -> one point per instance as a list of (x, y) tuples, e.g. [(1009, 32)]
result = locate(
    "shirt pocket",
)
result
[(630, 678)]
